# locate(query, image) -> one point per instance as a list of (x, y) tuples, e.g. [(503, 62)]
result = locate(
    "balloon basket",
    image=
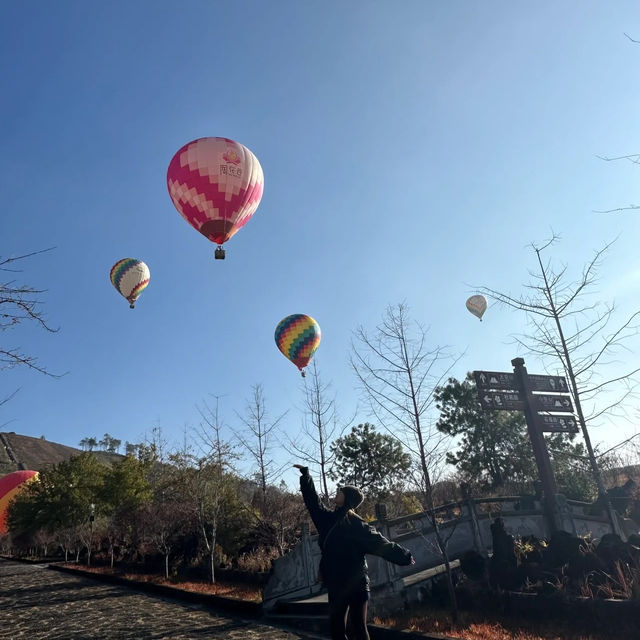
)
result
[(303, 373), (219, 254), (132, 306)]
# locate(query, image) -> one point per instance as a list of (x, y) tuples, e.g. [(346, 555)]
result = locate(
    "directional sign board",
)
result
[(558, 424), (556, 384), (552, 402), (501, 401), (500, 380)]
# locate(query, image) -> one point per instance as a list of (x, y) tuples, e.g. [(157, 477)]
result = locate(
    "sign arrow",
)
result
[(498, 380), (549, 402), (556, 424), (501, 401)]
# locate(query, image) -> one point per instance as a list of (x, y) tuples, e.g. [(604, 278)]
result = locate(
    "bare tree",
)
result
[(277, 519), (399, 373), (67, 540), (320, 426), (205, 478), (85, 536), (257, 439), (569, 332), (20, 303), (164, 522)]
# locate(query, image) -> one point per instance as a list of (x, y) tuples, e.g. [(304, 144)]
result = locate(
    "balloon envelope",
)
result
[(130, 277), (298, 336), (10, 486), (477, 305), (216, 185)]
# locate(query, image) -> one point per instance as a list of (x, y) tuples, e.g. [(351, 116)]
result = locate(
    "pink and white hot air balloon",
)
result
[(216, 185), (477, 305)]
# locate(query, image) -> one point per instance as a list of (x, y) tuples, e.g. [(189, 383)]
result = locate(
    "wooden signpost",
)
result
[(500, 391), (519, 391)]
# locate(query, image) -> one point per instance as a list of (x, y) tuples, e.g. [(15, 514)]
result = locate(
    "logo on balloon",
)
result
[(231, 157)]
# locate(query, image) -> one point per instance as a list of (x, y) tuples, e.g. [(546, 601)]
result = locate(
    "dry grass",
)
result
[(475, 626), (220, 588), (259, 560)]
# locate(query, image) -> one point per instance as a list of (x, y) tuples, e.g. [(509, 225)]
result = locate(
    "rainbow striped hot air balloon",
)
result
[(298, 337), (10, 486), (130, 277)]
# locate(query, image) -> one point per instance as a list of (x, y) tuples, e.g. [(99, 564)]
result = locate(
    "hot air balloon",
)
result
[(298, 337), (10, 486), (477, 305), (130, 277), (216, 185)]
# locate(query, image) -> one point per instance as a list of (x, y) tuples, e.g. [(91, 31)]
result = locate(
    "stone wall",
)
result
[(464, 525)]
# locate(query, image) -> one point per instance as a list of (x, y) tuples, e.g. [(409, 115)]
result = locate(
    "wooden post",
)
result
[(383, 527), (538, 444), (306, 556), (478, 542)]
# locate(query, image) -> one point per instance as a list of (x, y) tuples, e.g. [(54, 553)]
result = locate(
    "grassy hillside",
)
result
[(25, 452)]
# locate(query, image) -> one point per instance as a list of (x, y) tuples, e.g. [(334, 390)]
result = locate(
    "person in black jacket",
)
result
[(344, 539)]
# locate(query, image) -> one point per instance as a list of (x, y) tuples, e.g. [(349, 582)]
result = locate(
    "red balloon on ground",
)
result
[(10, 486)]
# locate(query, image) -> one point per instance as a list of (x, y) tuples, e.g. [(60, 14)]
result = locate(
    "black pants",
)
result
[(355, 606)]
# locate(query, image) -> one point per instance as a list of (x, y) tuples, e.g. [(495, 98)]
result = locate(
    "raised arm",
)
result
[(375, 543), (318, 512)]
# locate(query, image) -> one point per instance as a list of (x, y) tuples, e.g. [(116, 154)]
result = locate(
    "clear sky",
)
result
[(411, 150)]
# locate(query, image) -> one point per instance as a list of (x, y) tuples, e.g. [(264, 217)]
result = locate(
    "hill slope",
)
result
[(24, 452)]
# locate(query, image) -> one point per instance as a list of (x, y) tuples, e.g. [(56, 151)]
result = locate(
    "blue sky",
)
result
[(410, 150)]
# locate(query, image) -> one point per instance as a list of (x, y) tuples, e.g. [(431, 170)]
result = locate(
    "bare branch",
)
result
[(631, 207), (20, 303), (11, 259), (617, 446)]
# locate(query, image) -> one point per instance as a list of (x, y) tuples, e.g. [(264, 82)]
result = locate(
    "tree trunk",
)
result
[(321, 443), (88, 555), (442, 547), (78, 555), (166, 565), (66, 554), (429, 492), (111, 557), (213, 553)]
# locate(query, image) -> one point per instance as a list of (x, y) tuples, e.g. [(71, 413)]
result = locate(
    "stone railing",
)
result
[(463, 525)]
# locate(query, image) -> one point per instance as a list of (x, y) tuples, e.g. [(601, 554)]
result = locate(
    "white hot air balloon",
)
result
[(130, 277), (477, 305)]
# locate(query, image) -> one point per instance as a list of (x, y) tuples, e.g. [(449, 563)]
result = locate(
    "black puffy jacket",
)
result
[(344, 539)]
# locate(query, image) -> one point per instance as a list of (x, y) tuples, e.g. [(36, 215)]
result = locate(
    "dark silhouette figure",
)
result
[(344, 539)]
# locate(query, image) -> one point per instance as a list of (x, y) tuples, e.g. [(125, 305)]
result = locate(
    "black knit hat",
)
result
[(353, 497)]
